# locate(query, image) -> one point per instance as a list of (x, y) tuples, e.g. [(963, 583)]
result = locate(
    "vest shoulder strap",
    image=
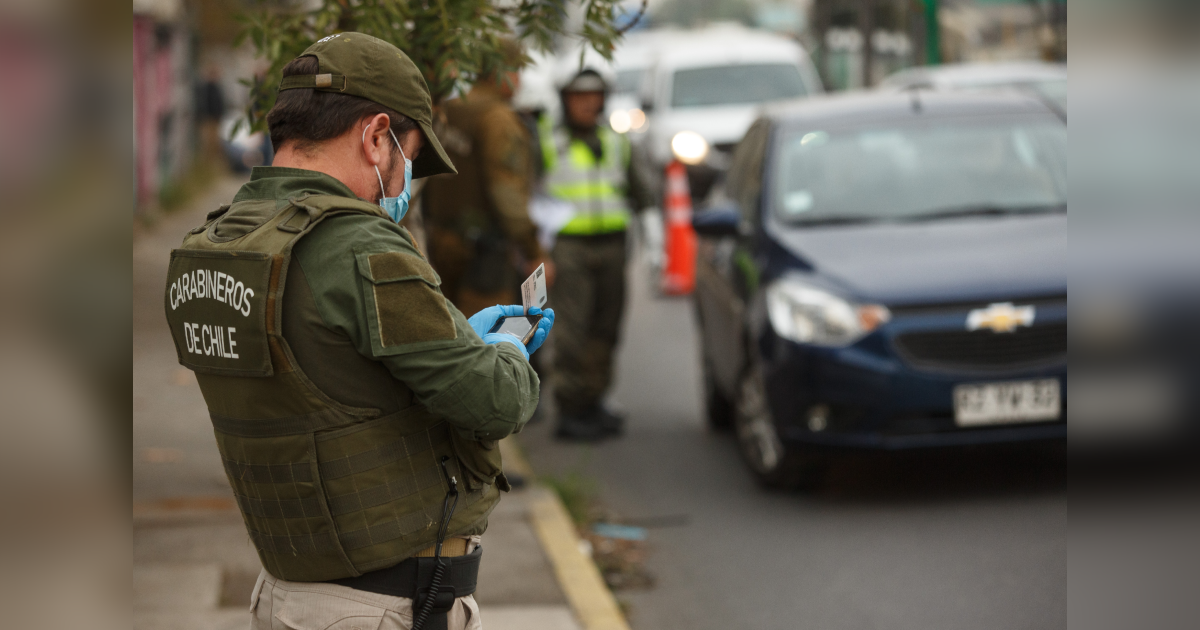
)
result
[(210, 217), (275, 224), (561, 139), (321, 204)]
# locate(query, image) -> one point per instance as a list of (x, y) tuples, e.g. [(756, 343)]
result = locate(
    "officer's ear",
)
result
[(376, 137)]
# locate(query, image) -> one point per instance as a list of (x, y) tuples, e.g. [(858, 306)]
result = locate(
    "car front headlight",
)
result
[(806, 314), (689, 147)]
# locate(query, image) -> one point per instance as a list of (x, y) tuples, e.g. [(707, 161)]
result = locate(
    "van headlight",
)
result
[(620, 121), (806, 314), (626, 120), (689, 147)]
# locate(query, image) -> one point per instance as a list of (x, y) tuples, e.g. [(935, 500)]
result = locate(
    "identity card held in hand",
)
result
[(533, 290)]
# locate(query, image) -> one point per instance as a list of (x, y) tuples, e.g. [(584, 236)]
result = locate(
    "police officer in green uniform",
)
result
[(592, 167), (478, 221), (356, 410)]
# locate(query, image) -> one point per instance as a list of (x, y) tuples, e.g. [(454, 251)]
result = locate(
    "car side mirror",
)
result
[(718, 220)]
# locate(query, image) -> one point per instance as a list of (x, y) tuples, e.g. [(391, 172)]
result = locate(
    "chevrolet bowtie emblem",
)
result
[(1001, 318)]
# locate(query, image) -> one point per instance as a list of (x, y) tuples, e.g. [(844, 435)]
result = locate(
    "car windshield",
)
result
[(736, 85), (1056, 91), (627, 81), (921, 172)]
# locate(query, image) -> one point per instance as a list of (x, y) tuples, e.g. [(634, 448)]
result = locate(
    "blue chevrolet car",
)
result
[(886, 271)]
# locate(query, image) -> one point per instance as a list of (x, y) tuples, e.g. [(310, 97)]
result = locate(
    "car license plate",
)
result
[(981, 404)]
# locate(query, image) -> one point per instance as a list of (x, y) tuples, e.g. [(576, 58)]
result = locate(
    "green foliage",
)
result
[(577, 492), (451, 41)]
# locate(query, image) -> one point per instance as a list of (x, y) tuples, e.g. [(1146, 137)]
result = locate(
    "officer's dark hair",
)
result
[(308, 117)]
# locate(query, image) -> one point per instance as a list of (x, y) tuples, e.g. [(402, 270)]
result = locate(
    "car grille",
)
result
[(984, 349)]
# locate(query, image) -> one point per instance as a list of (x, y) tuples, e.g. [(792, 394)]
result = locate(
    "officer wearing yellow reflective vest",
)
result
[(357, 411), (593, 168)]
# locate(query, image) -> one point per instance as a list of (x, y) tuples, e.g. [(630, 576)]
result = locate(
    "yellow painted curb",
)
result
[(585, 589), (578, 576)]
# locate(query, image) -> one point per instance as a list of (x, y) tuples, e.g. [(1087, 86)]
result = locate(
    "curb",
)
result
[(580, 579)]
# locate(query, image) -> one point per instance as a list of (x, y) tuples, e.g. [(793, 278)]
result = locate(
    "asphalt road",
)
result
[(971, 538)]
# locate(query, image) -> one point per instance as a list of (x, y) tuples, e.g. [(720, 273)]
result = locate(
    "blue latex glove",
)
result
[(507, 338), (485, 320), (543, 328)]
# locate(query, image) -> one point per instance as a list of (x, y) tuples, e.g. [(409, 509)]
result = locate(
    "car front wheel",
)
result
[(774, 463)]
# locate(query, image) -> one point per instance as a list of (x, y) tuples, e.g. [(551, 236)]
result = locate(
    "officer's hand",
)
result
[(492, 338), (483, 321), (543, 329)]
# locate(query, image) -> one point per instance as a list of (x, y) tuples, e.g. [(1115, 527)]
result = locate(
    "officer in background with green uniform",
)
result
[(592, 167), (355, 409), (477, 220)]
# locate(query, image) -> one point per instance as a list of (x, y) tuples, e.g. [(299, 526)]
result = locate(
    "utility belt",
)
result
[(412, 579)]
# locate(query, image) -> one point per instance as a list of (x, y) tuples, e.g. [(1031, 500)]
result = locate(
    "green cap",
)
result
[(370, 68)]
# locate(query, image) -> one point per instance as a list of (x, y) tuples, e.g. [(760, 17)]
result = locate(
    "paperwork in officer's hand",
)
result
[(550, 215), (533, 290)]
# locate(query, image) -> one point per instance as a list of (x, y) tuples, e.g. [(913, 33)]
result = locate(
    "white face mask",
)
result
[(395, 207)]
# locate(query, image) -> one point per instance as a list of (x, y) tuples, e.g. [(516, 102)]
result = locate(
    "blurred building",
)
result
[(859, 42), (1003, 30), (163, 137), (188, 92)]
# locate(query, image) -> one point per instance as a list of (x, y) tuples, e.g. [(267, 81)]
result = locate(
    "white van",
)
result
[(705, 87)]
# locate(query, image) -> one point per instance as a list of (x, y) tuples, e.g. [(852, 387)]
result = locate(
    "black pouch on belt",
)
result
[(411, 578), (459, 581)]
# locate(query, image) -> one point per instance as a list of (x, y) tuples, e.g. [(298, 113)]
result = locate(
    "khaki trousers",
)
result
[(282, 605)]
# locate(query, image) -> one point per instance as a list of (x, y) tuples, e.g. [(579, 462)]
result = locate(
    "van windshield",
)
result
[(628, 81), (736, 85)]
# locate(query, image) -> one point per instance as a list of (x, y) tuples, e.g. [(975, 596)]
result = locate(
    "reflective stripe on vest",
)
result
[(595, 187)]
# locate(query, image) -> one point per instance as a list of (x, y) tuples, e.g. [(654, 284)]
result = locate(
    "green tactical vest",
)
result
[(595, 187), (327, 491)]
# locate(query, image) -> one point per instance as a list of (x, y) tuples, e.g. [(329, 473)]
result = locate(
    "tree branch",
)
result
[(637, 18)]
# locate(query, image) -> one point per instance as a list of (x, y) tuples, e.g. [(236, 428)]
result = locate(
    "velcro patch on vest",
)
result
[(408, 307), (393, 266), (216, 305)]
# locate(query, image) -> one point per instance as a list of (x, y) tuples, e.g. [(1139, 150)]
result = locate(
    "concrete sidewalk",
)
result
[(194, 566)]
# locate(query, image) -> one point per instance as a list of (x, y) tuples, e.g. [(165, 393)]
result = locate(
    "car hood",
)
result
[(952, 260)]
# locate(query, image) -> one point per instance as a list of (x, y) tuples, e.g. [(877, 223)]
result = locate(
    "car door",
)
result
[(725, 273)]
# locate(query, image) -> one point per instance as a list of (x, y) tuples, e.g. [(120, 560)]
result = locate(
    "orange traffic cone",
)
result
[(679, 269)]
